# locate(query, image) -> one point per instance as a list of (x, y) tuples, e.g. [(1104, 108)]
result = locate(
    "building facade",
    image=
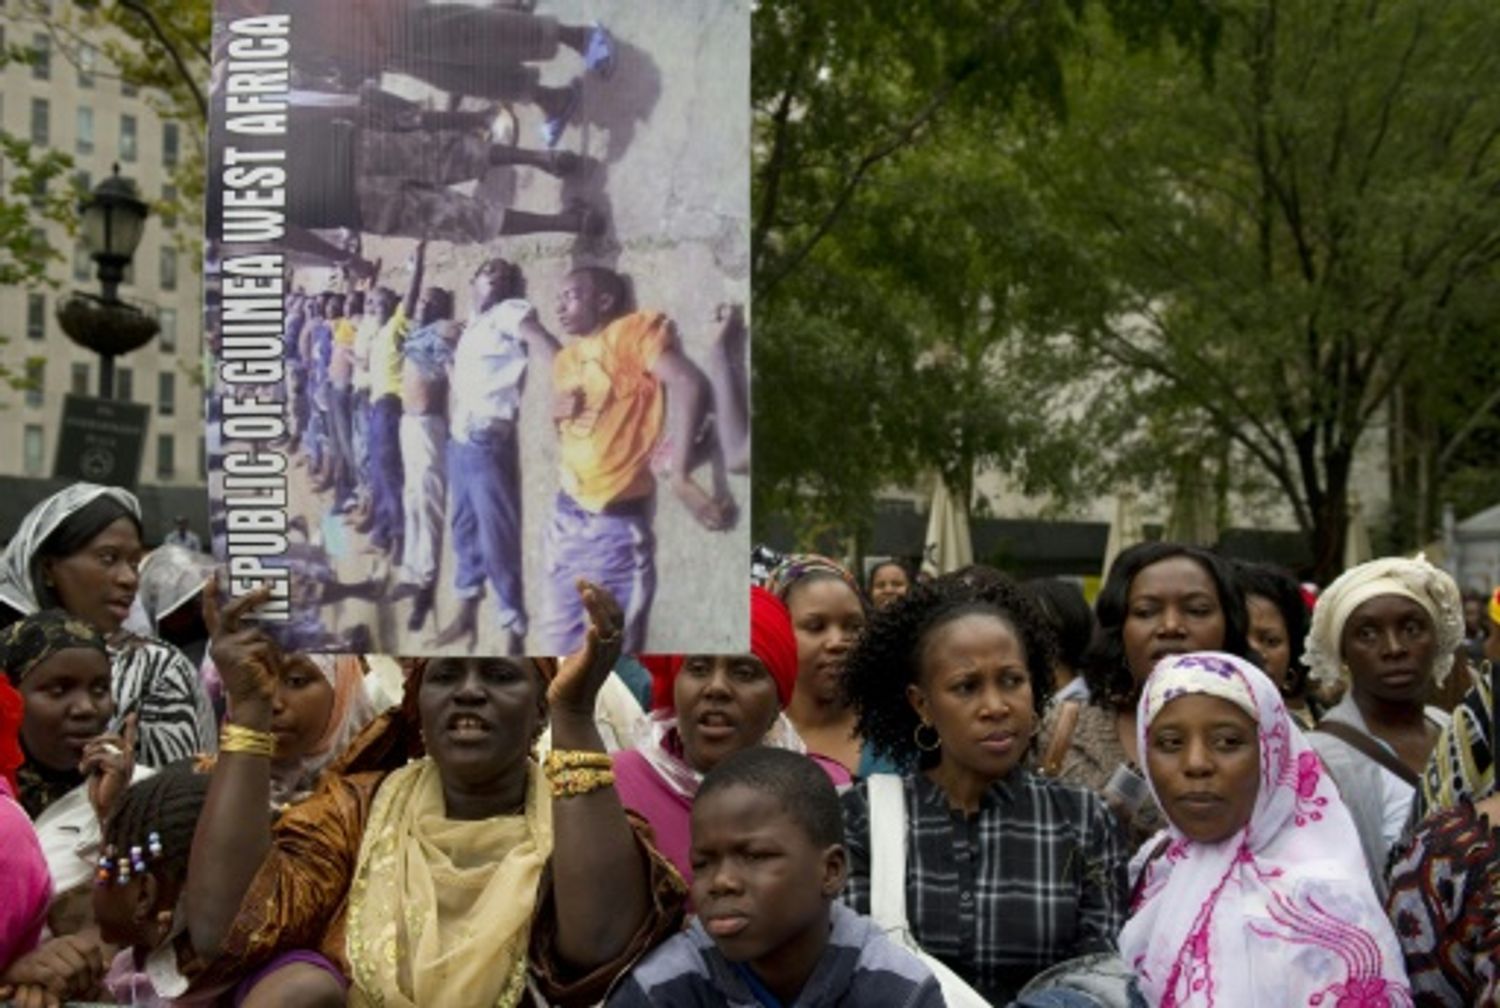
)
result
[(70, 100)]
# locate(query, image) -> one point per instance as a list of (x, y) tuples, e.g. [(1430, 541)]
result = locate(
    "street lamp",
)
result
[(113, 218)]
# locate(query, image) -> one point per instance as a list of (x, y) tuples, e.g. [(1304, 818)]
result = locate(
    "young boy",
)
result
[(768, 863)]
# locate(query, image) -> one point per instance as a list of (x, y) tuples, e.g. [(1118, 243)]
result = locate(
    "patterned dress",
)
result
[(1093, 753), (158, 683), (1445, 902)]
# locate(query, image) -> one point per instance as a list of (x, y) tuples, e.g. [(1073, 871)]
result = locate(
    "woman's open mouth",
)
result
[(716, 725), (468, 728)]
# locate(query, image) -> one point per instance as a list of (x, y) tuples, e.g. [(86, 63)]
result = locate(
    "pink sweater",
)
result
[(25, 886)]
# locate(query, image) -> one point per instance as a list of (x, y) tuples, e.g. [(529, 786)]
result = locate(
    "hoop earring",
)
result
[(937, 741)]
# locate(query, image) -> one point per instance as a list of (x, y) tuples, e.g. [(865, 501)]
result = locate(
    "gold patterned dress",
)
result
[(369, 873)]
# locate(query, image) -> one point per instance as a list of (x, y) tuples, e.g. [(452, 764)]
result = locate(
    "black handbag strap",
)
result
[(1362, 742)]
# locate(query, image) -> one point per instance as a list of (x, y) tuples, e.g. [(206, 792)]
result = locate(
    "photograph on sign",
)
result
[(476, 292)]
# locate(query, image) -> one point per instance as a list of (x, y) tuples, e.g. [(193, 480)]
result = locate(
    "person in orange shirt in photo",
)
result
[(612, 384)]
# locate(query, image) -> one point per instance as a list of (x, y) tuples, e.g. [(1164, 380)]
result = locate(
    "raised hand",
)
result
[(247, 659), (108, 763), (582, 673)]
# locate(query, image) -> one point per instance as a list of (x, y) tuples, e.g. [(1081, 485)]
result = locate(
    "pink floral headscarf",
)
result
[(1281, 913)]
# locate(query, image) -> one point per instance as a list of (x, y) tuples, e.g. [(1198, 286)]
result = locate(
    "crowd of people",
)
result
[(1207, 788)]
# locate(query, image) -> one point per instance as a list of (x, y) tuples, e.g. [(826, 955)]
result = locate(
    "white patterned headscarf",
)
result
[(1282, 912), (1430, 587), (16, 589)]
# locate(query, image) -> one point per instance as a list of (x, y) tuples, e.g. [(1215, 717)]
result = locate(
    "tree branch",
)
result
[(901, 138), (140, 10)]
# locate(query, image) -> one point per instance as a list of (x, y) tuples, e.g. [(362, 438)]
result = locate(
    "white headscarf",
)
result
[(1281, 913), (40, 522), (169, 577), (1428, 586)]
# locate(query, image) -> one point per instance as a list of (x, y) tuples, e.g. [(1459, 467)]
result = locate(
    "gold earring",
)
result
[(937, 740)]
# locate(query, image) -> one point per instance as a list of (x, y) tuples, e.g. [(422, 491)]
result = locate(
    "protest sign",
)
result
[(476, 281)]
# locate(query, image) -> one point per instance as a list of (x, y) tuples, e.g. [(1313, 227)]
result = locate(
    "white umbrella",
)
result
[(1357, 549), (1193, 518), (1125, 531), (947, 546)]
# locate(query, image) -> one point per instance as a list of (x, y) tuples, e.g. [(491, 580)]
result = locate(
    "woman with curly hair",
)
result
[(1005, 873), (1160, 599)]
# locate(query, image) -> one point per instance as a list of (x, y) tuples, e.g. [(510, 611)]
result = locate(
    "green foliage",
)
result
[(1287, 247), (30, 198), (896, 249), (1206, 249)]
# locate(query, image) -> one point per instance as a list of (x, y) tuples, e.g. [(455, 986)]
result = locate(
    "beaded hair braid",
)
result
[(151, 829)]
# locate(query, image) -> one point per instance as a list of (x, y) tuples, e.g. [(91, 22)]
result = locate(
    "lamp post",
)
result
[(113, 218)]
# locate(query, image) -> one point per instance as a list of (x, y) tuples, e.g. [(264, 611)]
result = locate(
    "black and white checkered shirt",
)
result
[(1037, 876)]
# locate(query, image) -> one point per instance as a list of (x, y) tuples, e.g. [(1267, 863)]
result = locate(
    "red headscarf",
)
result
[(11, 711), (771, 640)]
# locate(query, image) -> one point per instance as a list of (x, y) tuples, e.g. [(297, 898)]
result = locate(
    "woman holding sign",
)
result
[(383, 875)]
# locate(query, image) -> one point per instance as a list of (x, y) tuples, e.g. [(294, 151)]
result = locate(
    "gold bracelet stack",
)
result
[(239, 739), (576, 772)]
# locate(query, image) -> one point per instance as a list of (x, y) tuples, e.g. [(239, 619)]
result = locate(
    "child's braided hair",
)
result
[(166, 805)]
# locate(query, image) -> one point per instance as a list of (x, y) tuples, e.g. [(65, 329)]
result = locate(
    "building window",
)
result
[(167, 319), (83, 262), (127, 138), (88, 59), (124, 384), (169, 206), (36, 316), (34, 449), (203, 458), (41, 56), (41, 122), (80, 385), (166, 447), (168, 268), (169, 144), (128, 89), (36, 381), (39, 192), (83, 183), (85, 130), (166, 393)]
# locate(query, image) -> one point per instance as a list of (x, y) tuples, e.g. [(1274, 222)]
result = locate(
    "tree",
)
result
[(878, 340), (1277, 253), (30, 197)]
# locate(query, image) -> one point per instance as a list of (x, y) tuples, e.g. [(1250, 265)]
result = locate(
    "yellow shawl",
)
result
[(440, 910)]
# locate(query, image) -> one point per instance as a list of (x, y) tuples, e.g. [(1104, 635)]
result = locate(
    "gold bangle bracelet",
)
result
[(572, 783), (235, 738), (559, 760)]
